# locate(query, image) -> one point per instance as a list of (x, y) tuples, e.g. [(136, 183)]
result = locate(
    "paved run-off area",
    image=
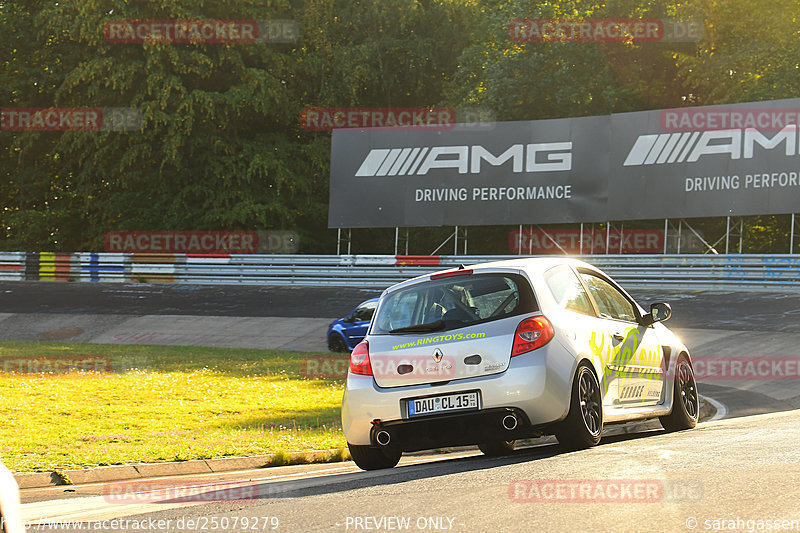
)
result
[(115, 313), (293, 333)]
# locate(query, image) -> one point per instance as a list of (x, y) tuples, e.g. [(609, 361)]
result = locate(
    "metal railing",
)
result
[(702, 272)]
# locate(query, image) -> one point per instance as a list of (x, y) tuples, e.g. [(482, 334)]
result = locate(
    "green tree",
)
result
[(221, 145), (749, 51), (553, 79)]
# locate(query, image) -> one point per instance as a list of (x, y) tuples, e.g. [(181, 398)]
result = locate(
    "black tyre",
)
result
[(685, 401), (371, 458), (583, 426), (497, 448), (336, 343)]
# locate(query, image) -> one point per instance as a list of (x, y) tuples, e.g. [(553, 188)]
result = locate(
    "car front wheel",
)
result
[(584, 423), (372, 458), (685, 401)]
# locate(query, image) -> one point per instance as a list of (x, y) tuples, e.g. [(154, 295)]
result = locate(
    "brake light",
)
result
[(452, 273), (359, 359), (532, 333)]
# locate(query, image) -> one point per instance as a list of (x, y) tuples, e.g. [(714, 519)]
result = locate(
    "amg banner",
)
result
[(739, 159)]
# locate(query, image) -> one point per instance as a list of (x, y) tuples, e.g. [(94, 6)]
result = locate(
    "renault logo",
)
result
[(437, 355)]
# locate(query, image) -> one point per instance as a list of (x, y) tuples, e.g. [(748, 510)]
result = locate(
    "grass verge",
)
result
[(83, 405)]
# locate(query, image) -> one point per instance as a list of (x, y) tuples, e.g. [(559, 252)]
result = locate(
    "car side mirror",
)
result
[(659, 312)]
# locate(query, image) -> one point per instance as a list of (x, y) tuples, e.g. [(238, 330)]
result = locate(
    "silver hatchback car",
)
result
[(508, 350)]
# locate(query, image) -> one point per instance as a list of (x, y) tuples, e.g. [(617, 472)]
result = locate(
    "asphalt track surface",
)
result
[(153, 299), (740, 311), (724, 475), (723, 470)]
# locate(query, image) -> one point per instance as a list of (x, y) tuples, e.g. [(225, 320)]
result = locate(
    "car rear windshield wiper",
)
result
[(421, 328)]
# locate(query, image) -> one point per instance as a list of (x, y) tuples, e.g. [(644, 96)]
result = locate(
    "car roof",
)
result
[(532, 265)]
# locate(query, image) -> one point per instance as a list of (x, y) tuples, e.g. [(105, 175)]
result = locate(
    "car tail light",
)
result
[(359, 359), (531, 333)]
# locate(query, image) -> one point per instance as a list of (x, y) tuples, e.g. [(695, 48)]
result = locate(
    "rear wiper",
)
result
[(421, 328)]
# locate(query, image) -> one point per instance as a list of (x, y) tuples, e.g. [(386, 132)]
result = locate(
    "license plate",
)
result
[(443, 404)]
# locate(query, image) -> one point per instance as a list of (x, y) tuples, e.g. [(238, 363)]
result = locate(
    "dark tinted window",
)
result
[(458, 301)]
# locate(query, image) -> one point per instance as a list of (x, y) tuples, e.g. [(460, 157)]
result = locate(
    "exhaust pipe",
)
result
[(510, 421), (382, 437)]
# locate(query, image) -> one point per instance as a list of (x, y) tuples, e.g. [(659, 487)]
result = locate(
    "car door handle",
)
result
[(618, 336)]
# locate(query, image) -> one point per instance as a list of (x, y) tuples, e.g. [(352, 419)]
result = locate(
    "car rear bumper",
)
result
[(453, 430), (536, 386)]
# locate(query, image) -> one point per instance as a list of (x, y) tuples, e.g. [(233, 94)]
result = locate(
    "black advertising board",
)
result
[(739, 159)]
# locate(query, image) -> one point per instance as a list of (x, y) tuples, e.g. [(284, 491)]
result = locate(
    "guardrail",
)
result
[(702, 272)]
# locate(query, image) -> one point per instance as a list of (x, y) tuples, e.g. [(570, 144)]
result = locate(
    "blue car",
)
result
[(345, 333)]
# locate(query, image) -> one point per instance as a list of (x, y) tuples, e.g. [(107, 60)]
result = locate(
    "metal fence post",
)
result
[(530, 241), (727, 233), (741, 233)]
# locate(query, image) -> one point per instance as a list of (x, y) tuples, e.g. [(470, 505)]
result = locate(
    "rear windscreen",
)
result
[(455, 302)]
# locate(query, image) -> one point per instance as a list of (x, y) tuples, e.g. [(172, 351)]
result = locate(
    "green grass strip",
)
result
[(158, 403)]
